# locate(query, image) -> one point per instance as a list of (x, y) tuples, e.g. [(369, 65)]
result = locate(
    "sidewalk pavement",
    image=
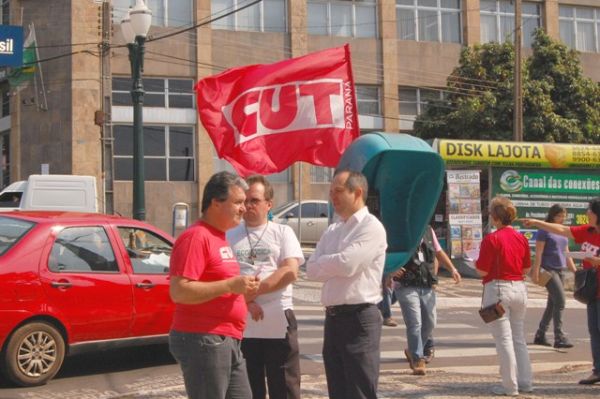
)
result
[(466, 383)]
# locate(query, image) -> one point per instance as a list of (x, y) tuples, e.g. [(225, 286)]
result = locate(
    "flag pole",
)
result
[(300, 203), (43, 107)]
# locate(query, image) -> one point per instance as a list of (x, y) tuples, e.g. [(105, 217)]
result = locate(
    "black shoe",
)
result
[(562, 343), (592, 379), (428, 355), (541, 340)]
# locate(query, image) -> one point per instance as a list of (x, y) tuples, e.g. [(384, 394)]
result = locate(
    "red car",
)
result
[(71, 282)]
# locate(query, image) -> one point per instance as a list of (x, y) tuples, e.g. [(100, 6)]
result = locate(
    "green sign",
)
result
[(534, 191)]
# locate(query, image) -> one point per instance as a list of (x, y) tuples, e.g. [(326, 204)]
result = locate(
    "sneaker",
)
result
[(500, 391), (540, 339), (526, 390), (409, 358), (390, 322), (428, 355), (562, 342), (592, 379), (419, 367)]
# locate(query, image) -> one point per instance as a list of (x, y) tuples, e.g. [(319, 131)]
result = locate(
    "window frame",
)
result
[(119, 13), (166, 93), (415, 7), (261, 8), (353, 25), (421, 101), (498, 14), (167, 156), (363, 100), (573, 24)]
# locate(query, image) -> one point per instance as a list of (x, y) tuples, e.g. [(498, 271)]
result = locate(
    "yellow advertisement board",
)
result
[(515, 154)]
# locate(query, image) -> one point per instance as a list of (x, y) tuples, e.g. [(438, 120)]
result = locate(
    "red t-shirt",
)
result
[(202, 253), (590, 244), (504, 254)]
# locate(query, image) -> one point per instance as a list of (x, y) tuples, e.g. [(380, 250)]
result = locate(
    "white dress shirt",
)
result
[(349, 259)]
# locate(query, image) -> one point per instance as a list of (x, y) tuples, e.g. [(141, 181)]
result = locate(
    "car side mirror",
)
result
[(289, 215)]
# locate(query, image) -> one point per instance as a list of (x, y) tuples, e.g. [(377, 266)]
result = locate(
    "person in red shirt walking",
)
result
[(208, 291), (589, 238), (503, 262)]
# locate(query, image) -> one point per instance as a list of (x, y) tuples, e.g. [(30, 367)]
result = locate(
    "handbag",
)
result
[(494, 311), (545, 277), (586, 285)]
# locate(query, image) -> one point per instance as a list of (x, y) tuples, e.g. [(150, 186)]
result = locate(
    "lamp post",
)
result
[(135, 27)]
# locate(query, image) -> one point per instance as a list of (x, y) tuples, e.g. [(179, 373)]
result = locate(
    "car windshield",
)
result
[(11, 231)]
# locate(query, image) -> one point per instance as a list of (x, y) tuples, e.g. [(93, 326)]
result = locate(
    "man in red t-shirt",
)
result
[(208, 291)]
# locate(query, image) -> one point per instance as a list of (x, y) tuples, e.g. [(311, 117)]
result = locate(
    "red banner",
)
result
[(263, 118)]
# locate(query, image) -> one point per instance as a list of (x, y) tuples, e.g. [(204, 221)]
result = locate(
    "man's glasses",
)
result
[(253, 201)]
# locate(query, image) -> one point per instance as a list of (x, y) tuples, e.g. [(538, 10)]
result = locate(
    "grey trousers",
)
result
[(212, 365), (555, 306)]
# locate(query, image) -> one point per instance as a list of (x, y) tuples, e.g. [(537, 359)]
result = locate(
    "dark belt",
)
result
[(345, 309)]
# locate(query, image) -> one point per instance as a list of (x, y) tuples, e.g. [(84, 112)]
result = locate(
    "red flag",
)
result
[(263, 118)]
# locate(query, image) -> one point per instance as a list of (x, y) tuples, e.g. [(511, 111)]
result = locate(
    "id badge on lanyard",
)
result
[(421, 255)]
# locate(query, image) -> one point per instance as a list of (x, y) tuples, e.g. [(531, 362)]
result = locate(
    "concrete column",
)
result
[(471, 22), (550, 18), (389, 53), (297, 17)]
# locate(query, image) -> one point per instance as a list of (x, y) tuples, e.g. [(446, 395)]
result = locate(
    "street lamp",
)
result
[(135, 27)]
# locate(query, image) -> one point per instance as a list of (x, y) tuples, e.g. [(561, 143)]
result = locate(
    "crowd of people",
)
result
[(234, 331)]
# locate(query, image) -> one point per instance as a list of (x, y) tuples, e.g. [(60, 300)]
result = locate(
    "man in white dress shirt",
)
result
[(349, 260), (272, 252)]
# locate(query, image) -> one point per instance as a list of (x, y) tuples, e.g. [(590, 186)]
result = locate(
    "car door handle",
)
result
[(145, 284), (310, 223), (61, 284)]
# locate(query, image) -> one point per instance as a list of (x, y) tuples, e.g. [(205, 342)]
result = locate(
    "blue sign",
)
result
[(11, 45)]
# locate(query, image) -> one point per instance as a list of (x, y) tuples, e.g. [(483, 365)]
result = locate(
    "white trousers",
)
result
[(509, 334)]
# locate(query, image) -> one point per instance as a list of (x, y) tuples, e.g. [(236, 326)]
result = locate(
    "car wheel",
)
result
[(34, 354)]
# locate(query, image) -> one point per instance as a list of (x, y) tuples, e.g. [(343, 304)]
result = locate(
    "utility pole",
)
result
[(106, 121), (518, 89)]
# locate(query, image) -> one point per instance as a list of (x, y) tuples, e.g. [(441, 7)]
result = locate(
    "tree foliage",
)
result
[(559, 103)]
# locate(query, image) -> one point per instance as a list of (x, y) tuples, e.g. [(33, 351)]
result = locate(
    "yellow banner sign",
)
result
[(499, 153)]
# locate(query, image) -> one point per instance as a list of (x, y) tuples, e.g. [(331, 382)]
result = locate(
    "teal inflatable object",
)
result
[(405, 178)]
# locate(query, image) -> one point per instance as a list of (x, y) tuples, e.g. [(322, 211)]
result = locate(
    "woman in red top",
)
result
[(504, 260), (589, 238)]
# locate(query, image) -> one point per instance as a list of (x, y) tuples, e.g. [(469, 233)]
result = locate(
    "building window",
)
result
[(429, 20), (164, 12), (348, 18), (414, 101), (266, 16), (498, 21), (321, 174), (580, 28), (168, 152), (163, 93), (5, 94), (5, 10), (5, 159), (368, 100)]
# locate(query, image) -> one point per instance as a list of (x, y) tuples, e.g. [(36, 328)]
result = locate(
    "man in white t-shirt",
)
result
[(272, 252)]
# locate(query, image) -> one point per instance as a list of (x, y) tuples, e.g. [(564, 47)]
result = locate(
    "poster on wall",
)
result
[(464, 213), (534, 191)]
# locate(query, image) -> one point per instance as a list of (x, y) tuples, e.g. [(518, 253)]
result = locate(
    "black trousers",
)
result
[(276, 359), (351, 353)]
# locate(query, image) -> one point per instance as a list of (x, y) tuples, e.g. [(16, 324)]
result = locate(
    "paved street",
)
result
[(464, 366)]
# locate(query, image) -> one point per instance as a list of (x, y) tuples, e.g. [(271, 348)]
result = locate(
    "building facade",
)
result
[(76, 116)]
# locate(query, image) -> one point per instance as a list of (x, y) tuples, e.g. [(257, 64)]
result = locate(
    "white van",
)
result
[(51, 193)]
